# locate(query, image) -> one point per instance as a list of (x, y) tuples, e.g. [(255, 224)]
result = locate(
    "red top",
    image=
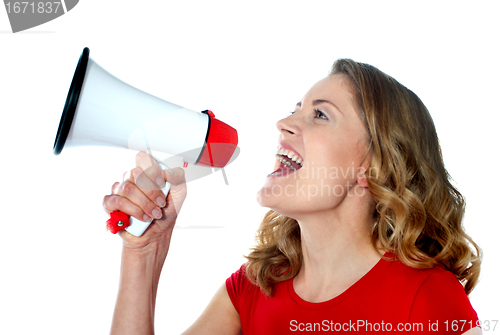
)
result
[(390, 297)]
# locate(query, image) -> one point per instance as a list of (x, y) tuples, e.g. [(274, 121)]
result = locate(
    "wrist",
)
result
[(139, 277), (135, 304), (148, 258), (146, 246)]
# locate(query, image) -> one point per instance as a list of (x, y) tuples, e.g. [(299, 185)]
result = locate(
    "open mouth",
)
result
[(289, 160)]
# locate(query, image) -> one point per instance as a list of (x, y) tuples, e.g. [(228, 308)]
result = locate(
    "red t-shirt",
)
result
[(390, 297)]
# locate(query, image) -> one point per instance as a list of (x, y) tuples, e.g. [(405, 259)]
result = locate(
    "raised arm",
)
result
[(139, 195), (143, 257)]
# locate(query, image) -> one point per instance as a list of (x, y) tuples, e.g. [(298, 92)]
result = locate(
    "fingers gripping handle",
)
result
[(119, 220), (137, 228)]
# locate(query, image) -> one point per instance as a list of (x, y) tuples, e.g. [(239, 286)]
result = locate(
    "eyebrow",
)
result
[(320, 101)]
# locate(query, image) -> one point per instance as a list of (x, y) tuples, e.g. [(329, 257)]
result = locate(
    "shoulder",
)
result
[(421, 281), (427, 285), (430, 296), (403, 280), (238, 278), (238, 286), (441, 301), (440, 290)]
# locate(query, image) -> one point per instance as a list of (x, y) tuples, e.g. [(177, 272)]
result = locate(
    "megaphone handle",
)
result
[(119, 220)]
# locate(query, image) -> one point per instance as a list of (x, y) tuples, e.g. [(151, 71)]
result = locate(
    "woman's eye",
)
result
[(319, 114)]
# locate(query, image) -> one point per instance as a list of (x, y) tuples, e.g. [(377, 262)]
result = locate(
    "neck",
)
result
[(337, 250)]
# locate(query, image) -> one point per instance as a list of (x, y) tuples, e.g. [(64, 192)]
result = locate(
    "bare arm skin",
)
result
[(220, 317), (143, 257), (139, 277)]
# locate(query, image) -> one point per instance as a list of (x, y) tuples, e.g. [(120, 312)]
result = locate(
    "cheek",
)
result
[(335, 164), (331, 176)]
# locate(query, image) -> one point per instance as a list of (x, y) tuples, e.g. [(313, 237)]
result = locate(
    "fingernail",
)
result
[(146, 218), (160, 201), (156, 213), (170, 172), (160, 182)]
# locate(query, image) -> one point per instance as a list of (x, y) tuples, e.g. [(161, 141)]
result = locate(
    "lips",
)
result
[(289, 161), (289, 157)]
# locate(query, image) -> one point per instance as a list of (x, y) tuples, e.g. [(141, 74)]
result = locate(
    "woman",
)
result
[(363, 234)]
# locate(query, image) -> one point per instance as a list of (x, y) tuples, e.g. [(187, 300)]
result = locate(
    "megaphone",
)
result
[(102, 110)]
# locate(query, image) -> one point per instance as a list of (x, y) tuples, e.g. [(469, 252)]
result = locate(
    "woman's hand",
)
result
[(139, 195)]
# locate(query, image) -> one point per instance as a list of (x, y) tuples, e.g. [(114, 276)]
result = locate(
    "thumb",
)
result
[(178, 191), (175, 176)]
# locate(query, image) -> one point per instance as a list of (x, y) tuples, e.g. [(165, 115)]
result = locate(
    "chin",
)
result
[(263, 199), (275, 203)]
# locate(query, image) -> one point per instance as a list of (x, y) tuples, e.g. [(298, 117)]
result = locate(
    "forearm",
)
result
[(139, 277)]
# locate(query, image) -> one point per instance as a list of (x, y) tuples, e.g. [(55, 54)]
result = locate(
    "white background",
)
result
[(249, 63)]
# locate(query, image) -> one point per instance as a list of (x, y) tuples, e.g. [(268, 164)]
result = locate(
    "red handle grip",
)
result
[(117, 221)]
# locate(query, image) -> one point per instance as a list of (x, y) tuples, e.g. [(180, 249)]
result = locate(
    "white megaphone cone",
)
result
[(101, 110)]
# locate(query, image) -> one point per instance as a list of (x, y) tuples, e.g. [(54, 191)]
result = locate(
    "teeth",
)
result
[(290, 154), (284, 161)]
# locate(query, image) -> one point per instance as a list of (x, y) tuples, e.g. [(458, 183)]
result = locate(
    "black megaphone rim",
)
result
[(71, 102)]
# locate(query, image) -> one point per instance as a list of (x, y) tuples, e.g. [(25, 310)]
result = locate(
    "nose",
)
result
[(288, 125)]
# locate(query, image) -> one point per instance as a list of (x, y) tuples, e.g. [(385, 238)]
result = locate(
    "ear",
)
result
[(362, 179)]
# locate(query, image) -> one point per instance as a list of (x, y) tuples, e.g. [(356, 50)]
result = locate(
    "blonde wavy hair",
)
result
[(418, 212)]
